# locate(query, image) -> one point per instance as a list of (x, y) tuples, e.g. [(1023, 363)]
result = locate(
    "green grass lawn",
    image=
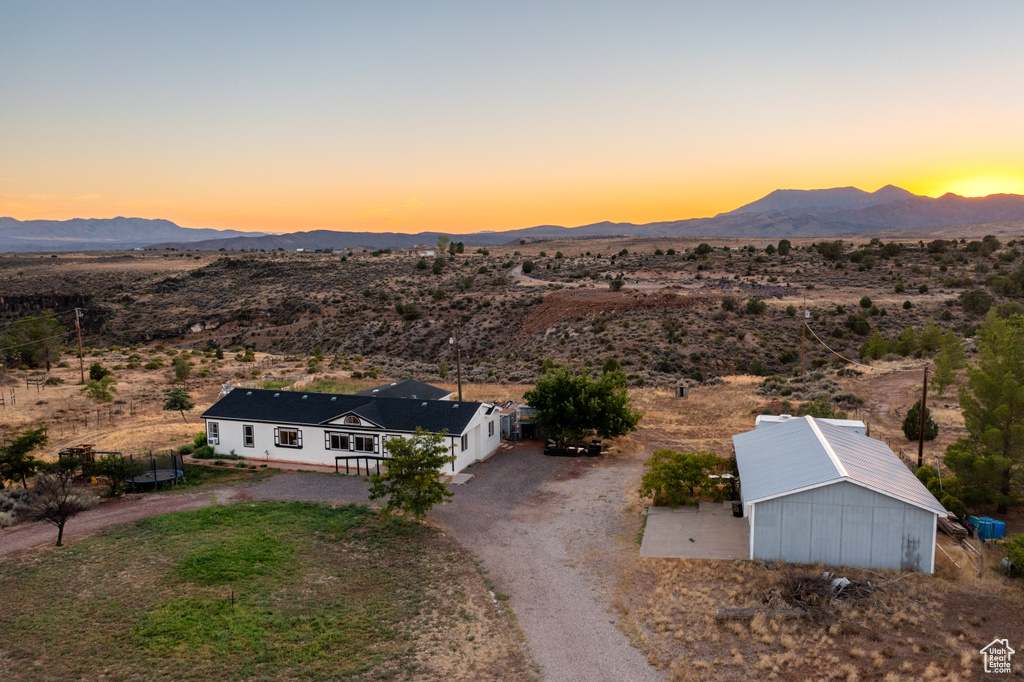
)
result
[(251, 591)]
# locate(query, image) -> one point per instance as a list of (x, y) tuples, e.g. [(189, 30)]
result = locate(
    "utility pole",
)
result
[(458, 359), (803, 327), (81, 355), (920, 434)]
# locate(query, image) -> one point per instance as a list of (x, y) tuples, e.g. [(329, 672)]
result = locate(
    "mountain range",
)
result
[(782, 213)]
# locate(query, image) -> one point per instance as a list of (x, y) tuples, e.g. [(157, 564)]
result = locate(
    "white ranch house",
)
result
[(324, 428)]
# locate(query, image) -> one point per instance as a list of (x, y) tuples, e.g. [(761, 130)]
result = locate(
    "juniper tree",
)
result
[(987, 463)]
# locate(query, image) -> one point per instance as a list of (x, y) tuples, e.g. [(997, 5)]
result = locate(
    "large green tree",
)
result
[(33, 341), (572, 406), (678, 478), (988, 463), (412, 481), (16, 462), (950, 360)]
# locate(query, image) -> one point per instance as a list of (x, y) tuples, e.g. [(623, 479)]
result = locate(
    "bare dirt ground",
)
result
[(109, 513)]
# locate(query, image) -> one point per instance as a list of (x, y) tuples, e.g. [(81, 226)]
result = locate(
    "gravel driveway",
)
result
[(537, 523)]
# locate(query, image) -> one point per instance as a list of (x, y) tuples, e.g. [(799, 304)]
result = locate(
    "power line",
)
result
[(853, 362)]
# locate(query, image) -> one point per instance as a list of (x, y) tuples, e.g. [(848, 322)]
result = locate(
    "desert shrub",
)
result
[(830, 250), (528, 266), (98, 371), (53, 381), (821, 407), (756, 306), (1015, 550), (976, 302), (616, 284), (409, 311), (953, 505), (204, 452), (728, 303), (865, 302)]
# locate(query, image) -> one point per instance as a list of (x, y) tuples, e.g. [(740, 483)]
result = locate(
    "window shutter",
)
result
[(298, 437), (351, 442), (327, 440), (277, 435), (376, 445)]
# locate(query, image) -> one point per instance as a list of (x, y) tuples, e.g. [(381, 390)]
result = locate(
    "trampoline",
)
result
[(156, 476), (158, 470)]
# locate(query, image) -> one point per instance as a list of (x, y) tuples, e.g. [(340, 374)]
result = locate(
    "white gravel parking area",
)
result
[(547, 529)]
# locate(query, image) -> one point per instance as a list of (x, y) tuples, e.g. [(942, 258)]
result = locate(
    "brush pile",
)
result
[(810, 591)]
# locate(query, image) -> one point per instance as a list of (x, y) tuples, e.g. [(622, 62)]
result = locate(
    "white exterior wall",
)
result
[(843, 524), (314, 449)]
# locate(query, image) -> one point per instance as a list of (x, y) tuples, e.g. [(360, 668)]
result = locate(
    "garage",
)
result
[(818, 492)]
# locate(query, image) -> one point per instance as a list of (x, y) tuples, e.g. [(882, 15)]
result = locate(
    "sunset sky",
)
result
[(478, 115)]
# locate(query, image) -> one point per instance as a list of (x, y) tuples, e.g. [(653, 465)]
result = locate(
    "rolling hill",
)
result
[(782, 213)]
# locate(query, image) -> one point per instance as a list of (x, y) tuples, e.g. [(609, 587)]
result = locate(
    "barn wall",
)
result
[(844, 524)]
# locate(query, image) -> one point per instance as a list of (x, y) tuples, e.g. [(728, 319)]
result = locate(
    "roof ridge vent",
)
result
[(828, 447)]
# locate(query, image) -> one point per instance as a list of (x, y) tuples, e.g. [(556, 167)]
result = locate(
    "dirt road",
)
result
[(107, 514)]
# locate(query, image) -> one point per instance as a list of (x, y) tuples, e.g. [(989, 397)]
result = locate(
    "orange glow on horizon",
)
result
[(454, 207)]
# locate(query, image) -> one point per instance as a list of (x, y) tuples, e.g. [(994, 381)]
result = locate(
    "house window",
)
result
[(365, 444), (248, 435), (352, 420), (490, 429), (288, 438), (212, 433), (336, 441), (465, 442)]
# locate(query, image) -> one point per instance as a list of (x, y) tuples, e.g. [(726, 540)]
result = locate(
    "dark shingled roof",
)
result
[(317, 409), (409, 388)]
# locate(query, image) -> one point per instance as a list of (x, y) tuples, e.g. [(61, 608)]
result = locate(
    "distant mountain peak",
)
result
[(832, 199)]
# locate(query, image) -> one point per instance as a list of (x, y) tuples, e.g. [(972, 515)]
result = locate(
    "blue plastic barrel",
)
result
[(973, 520), (985, 528), (998, 529)]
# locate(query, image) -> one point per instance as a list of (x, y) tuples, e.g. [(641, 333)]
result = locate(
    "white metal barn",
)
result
[(816, 492), (855, 425)]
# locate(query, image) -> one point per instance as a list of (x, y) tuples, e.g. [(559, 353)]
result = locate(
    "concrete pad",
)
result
[(457, 479), (715, 533)]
